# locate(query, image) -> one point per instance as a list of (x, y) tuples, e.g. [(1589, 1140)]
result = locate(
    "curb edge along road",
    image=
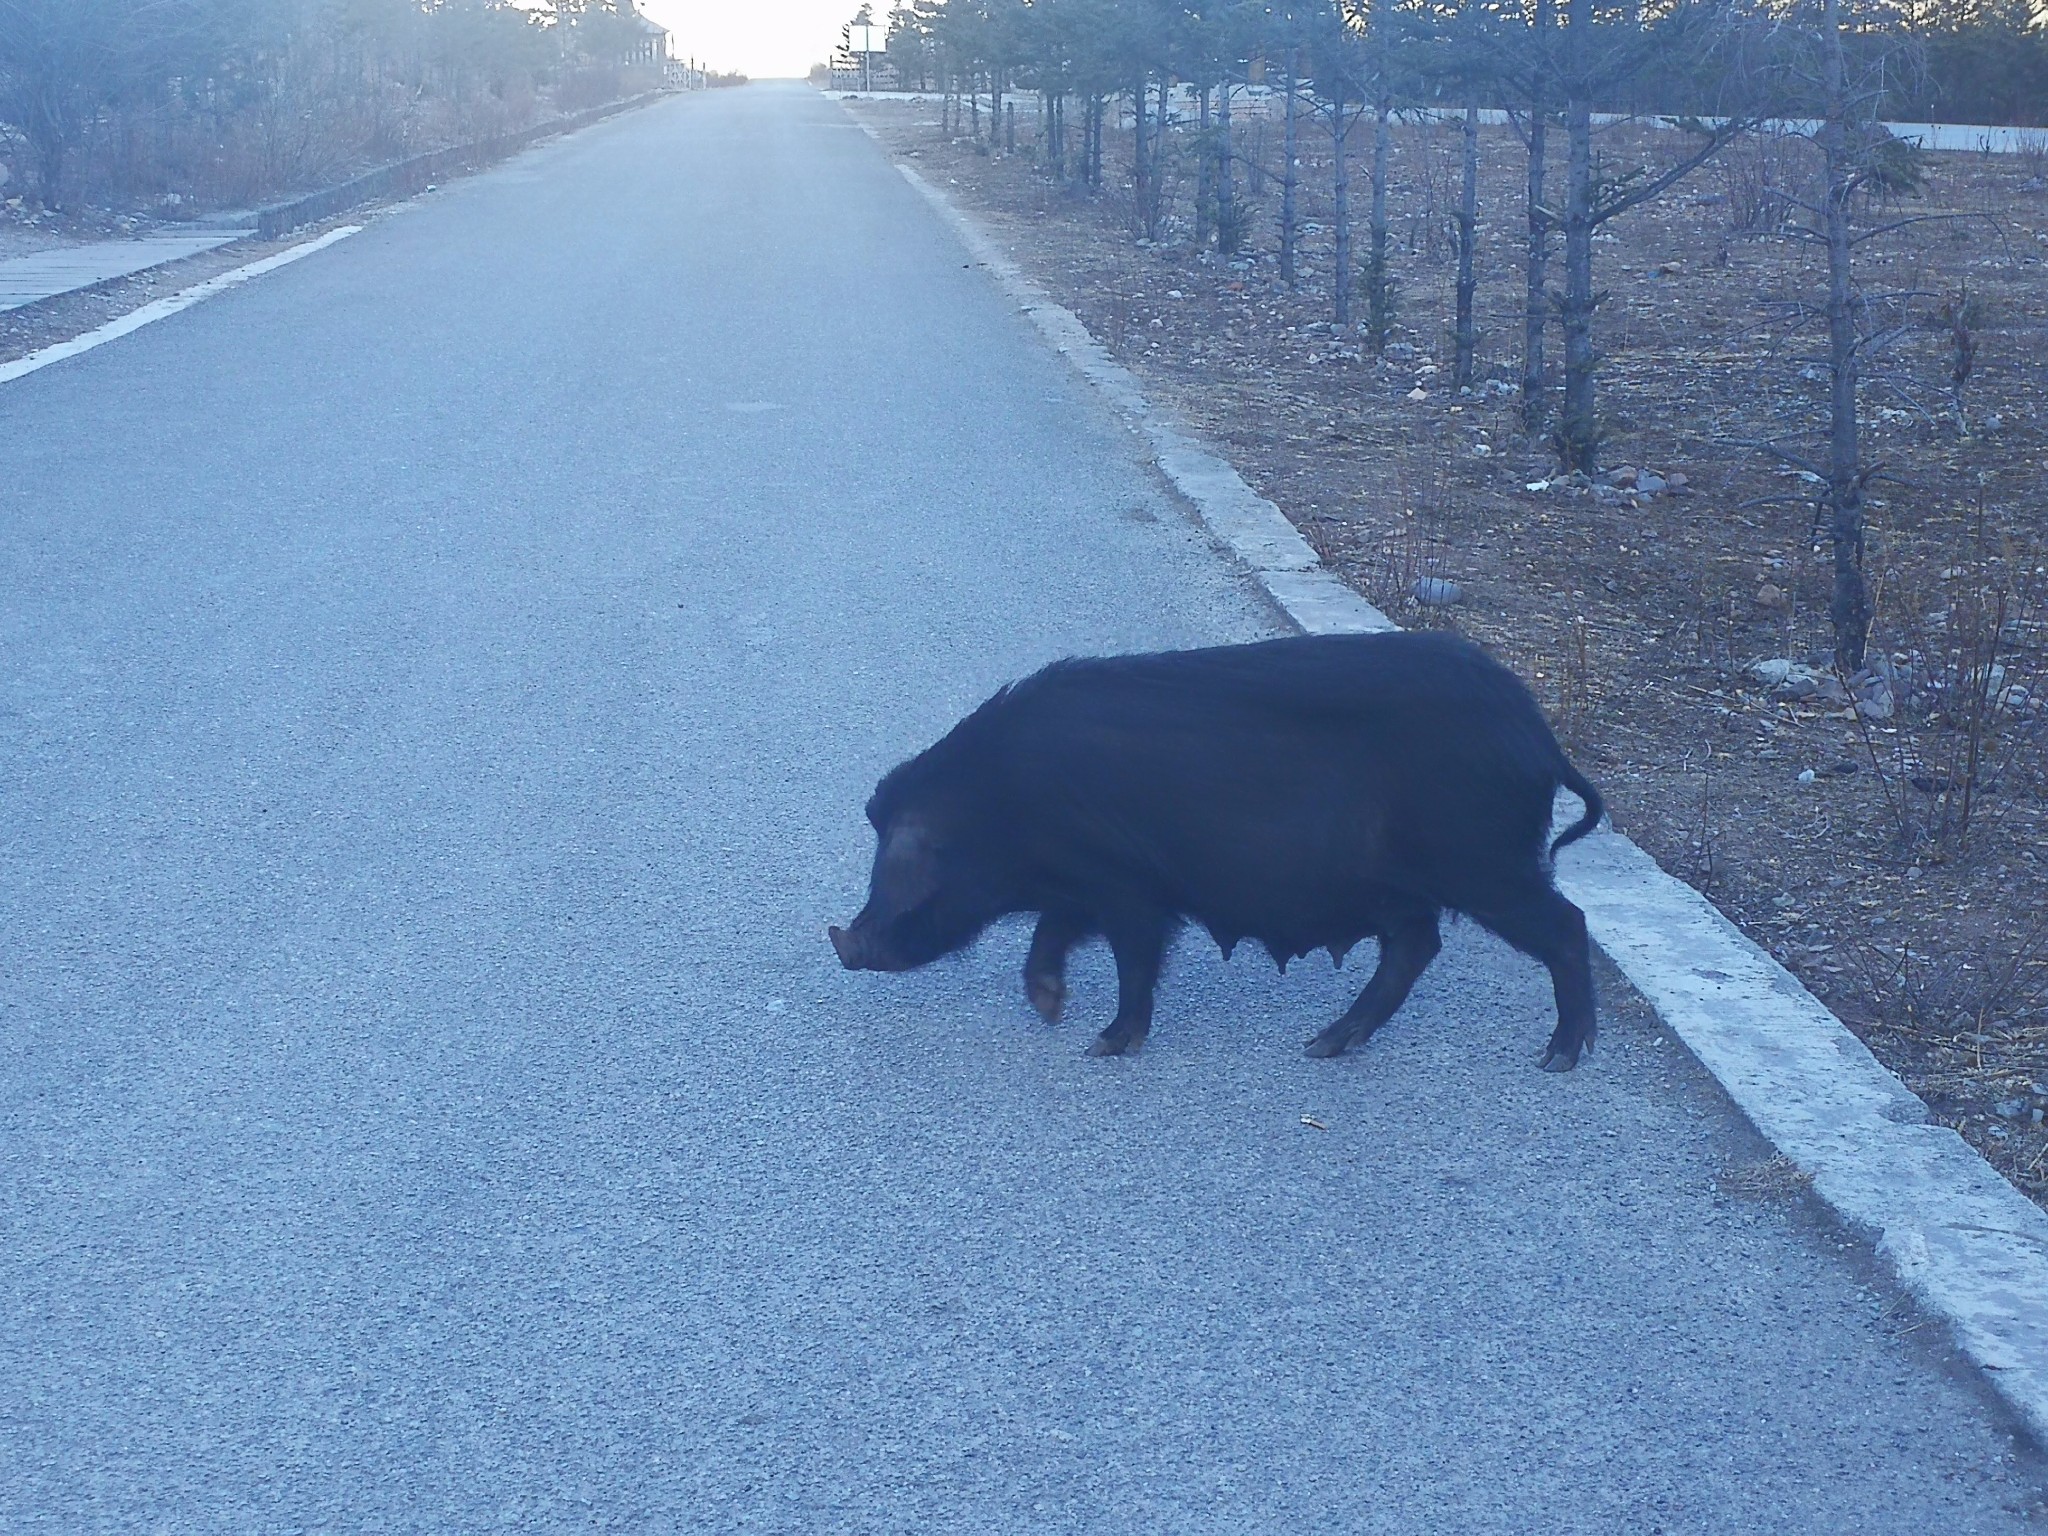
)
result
[(170, 304), (1965, 1243)]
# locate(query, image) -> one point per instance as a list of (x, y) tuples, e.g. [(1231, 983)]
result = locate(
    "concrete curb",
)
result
[(171, 304), (408, 178), (1965, 1243)]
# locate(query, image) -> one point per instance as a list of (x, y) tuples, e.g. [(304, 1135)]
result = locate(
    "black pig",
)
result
[(1306, 793)]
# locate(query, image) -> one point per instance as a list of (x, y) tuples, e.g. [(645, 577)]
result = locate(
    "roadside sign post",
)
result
[(863, 39)]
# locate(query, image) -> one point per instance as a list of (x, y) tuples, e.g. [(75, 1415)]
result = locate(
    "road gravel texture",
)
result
[(442, 679)]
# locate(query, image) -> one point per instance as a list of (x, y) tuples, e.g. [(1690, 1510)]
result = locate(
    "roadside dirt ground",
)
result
[(1890, 856)]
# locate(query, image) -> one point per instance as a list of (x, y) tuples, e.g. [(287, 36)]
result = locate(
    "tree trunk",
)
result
[(1379, 287), (1290, 180), (1849, 603), (1468, 235), (1140, 170), (1578, 430), (1536, 303), (1227, 231), (50, 147), (1340, 194), (1205, 188), (1155, 203)]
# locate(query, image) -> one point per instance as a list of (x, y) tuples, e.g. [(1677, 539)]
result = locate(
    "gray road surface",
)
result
[(441, 682)]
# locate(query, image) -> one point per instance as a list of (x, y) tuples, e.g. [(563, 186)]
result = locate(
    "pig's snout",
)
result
[(863, 947)]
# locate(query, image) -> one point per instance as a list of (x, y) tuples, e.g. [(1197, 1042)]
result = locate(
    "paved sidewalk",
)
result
[(44, 275)]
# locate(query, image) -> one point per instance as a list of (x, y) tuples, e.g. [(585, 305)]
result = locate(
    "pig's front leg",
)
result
[(1138, 941), (1045, 967)]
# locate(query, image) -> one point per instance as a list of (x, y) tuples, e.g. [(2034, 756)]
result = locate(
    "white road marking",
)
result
[(161, 309)]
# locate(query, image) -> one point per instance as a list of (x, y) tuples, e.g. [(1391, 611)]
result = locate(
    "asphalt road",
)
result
[(441, 683)]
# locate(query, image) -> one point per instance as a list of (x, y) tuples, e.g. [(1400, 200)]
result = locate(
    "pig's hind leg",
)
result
[(1045, 966), (1543, 924), (1138, 941), (1406, 948)]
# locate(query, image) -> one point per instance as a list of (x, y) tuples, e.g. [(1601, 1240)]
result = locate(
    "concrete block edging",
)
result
[(1967, 1245), (409, 177), (170, 304)]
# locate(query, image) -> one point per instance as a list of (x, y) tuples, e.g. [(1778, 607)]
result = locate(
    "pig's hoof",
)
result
[(1108, 1044), (1565, 1048), (1048, 994), (1330, 1042)]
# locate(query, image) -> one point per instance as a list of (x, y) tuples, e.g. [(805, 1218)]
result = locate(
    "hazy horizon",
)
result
[(765, 39)]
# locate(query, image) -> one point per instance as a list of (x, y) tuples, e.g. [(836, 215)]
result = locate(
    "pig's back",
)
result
[(1283, 784)]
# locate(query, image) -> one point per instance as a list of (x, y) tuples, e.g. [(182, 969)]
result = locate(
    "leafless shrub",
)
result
[(142, 103), (2031, 150), (1391, 568), (1714, 618), (1966, 742), (1431, 223), (1756, 172), (1961, 315), (1961, 997), (1702, 839), (1116, 326), (1574, 685)]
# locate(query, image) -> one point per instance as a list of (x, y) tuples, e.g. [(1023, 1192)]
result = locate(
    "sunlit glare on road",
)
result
[(766, 39)]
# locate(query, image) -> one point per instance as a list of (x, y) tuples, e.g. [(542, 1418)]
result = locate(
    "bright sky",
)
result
[(766, 39)]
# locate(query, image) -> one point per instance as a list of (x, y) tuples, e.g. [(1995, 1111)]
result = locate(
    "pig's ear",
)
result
[(909, 860)]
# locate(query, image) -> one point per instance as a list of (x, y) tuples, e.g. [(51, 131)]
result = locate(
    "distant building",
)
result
[(651, 44)]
